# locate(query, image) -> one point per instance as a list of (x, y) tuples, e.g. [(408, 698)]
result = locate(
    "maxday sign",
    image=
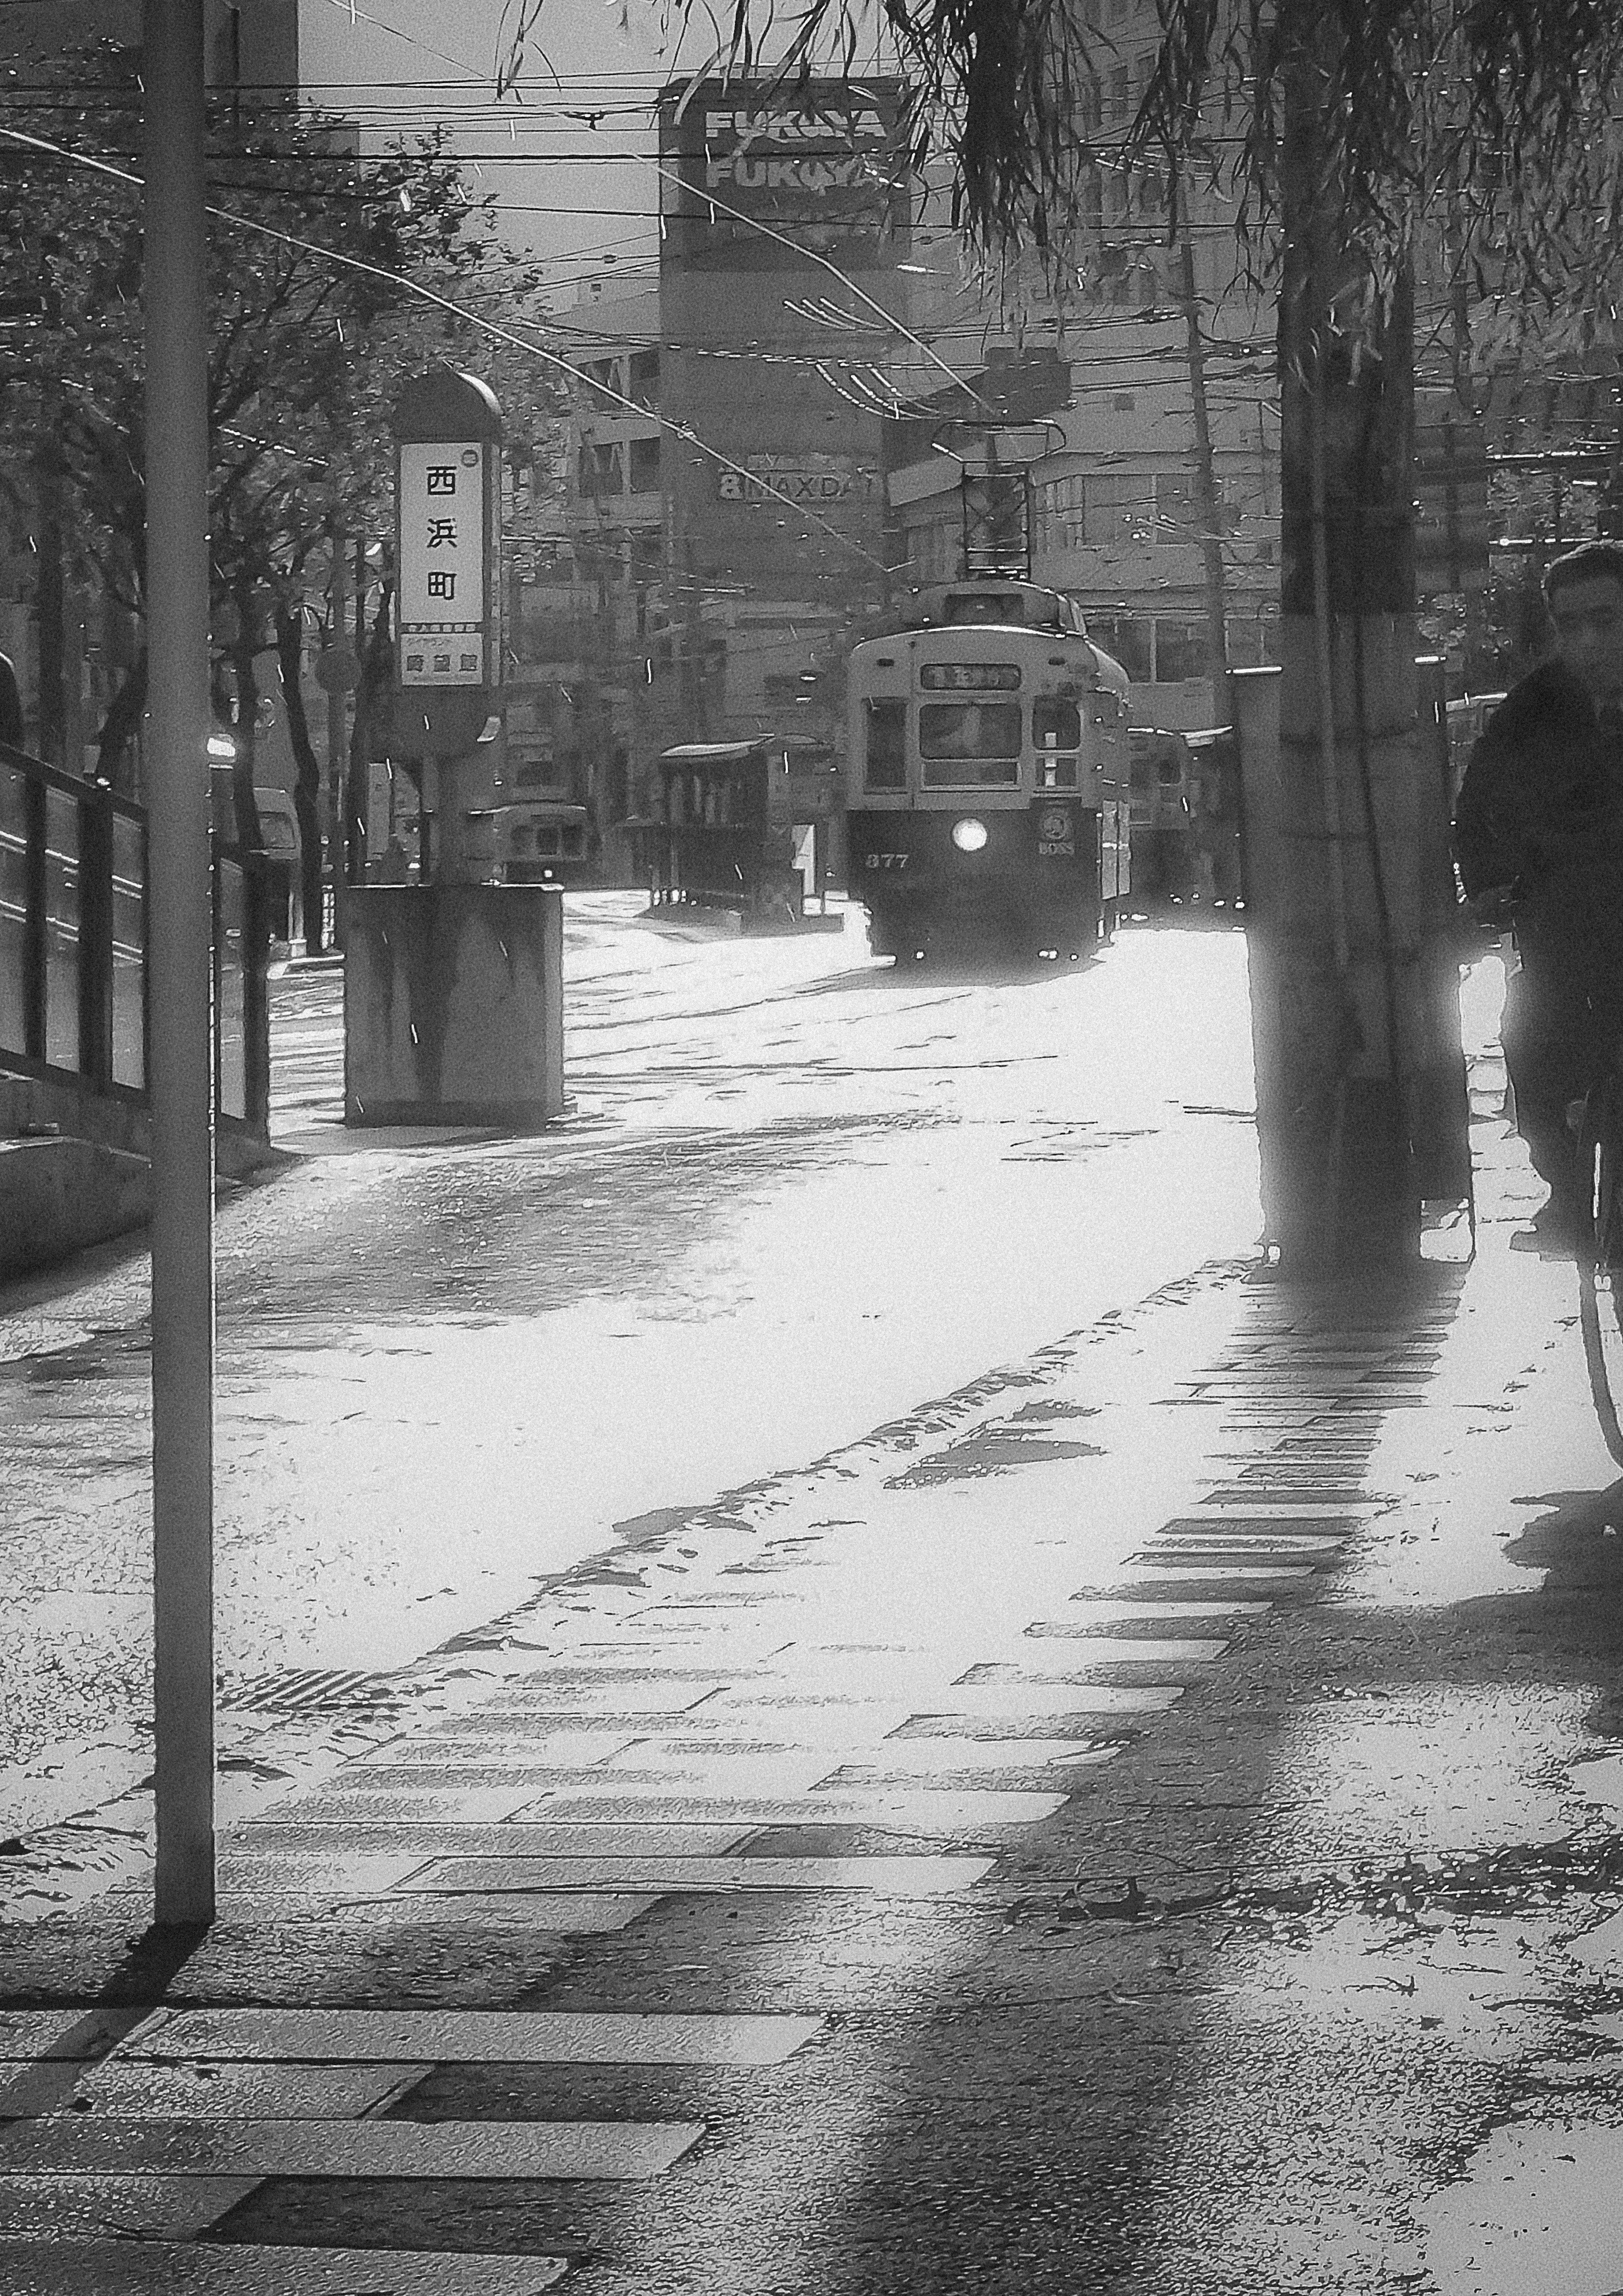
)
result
[(448, 562)]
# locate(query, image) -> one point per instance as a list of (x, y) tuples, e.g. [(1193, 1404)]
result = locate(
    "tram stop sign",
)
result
[(447, 562)]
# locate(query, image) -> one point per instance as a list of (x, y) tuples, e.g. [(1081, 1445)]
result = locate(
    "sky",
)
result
[(570, 158)]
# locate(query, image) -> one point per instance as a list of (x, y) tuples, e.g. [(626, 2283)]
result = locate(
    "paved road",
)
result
[(1139, 1817), (800, 1193), (1131, 1826)]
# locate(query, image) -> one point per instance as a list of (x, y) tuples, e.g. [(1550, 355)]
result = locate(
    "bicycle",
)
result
[(1597, 1123)]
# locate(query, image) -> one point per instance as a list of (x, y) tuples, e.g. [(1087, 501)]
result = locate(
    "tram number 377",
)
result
[(886, 860)]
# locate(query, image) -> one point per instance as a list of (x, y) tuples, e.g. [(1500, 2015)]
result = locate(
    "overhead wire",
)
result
[(446, 303)]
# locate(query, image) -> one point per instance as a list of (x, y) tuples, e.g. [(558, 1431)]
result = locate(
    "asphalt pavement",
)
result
[(1142, 1816)]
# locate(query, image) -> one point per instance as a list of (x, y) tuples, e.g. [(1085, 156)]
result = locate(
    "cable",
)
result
[(445, 303)]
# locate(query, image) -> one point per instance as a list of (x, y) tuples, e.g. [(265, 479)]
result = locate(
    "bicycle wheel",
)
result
[(1599, 1254)]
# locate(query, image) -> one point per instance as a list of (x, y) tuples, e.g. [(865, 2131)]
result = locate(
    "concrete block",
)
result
[(453, 1004), (58, 1195)]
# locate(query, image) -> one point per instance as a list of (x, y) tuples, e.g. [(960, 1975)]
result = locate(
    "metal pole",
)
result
[(180, 959), (337, 731)]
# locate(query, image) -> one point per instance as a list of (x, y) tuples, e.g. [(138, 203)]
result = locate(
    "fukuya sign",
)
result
[(447, 556), (821, 154)]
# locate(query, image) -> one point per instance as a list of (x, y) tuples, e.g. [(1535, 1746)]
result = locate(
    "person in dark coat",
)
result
[(1538, 838)]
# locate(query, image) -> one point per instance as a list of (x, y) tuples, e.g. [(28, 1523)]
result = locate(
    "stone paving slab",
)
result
[(51, 2207), (475, 1741), (150, 2267), (364, 1871), (1221, 1506), (472, 2037), (72, 2034), (339, 1801), (1122, 1650), (102, 2144), (130, 2086), (1092, 1610), (928, 1809), (561, 1837), (685, 1763), (1027, 1694), (895, 1877), (639, 1697), (1258, 1544), (571, 1913), (1191, 1570)]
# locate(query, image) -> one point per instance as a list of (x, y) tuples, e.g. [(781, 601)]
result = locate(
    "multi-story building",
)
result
[(1092, 380), (590, 691), (723, 535), (784, 218)]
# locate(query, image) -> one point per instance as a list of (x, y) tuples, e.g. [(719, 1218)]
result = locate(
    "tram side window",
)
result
[(1056, 736), (886, 745), (970, 744)]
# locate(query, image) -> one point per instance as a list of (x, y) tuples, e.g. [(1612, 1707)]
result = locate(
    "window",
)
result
[(602, 471), (1063, 514), (934, 550), (1119, 506), (1180, 651), (1175, 518), (1127, 640), (644, 466), (1056, 726), (604, 393), (970, 744), (885, 745), (644, 378)]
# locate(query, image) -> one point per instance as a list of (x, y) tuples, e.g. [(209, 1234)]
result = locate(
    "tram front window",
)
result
[(1056, 734), (970, 744), (886, 753)]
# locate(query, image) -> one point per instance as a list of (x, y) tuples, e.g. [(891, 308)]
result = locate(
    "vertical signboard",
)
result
[(765, 185), (442, 603), (448, 557)]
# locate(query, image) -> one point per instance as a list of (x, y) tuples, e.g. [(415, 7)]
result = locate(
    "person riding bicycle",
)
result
[(1538, 838)]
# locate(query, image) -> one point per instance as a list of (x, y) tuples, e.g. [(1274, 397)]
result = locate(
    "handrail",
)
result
[(73, 940)]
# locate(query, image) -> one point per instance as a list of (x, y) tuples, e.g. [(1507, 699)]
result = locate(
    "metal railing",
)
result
[(73, 945)]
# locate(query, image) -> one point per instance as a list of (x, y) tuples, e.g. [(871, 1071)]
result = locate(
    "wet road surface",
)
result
[(1142, 1819), (798, 1193)]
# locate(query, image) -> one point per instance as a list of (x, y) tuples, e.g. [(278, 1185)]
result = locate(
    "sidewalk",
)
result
[(1184, 1748)]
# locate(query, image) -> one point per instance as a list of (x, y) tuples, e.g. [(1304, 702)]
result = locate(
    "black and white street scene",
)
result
[(811, 1149)]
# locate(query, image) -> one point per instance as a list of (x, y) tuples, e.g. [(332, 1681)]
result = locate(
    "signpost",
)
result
[(448, 604), (180, 973)]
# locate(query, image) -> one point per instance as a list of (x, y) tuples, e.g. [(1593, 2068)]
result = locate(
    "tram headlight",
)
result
[(969, 836)]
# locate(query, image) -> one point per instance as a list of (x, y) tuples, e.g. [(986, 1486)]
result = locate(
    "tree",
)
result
[(1338, 127), (315, 259)]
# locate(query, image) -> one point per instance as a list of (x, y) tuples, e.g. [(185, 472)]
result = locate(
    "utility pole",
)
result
[(180, 957), (338, 728), (1353, 1052), (1209, 502)]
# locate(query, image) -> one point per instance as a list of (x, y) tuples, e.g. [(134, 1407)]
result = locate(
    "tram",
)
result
[(989, 775)]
